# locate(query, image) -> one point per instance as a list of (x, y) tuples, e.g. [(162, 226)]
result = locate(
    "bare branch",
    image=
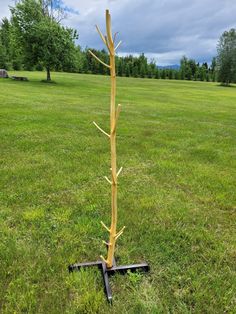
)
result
[(106, 65), (119, 233), (104, 242), (118, 110), (118, 45), (107, 44), (104, 260), (100, 129), (121, 230), (108, 180), (102, 223), (104, 38), (119, 171), (101, 35), (114, 37)]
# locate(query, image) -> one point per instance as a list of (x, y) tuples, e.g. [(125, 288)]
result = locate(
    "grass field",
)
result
[(176, 142)]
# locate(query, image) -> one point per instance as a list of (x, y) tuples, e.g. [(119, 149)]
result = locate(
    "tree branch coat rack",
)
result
[(108, 265)]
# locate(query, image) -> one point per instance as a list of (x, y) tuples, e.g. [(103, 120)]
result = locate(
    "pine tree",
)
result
[(157, 74)]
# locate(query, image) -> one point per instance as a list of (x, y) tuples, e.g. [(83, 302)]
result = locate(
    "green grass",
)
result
[(176, 141)]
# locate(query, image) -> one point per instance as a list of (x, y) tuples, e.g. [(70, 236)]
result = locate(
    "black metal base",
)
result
[(110, 271)]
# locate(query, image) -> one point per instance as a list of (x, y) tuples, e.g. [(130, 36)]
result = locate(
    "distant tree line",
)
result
[(12, 57), (34, 39)]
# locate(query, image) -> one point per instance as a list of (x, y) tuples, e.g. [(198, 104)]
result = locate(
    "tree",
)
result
[(157, 73), (52, 9), (188, 72), (43, 39), (213, 69), (135, 71), (170, 74), (226, 58), (193, 66), (3, 55), (176, 75), (149, 71), (163, 74), (213, 64), (203, 72), (5, 34), (142, 60), (183, 67), (196, 74), (151, 68), (142, 70), (5, 51)]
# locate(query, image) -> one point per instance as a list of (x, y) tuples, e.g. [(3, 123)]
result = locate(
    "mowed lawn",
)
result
[(177, 144)]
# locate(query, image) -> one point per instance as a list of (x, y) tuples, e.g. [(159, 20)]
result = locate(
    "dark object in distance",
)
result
[(106, 272), (3, 73), (19, 78)]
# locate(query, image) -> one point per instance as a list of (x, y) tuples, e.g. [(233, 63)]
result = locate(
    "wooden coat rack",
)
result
[(108, 265)]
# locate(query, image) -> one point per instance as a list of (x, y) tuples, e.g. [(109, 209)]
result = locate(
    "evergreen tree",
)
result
[(3, 56), (202, 73), (176, 75), (163, 74), (183, 67), (142, 71), (193, 67), (170, 74), (127, 70), (149, 71), (196, 74), (188, 72), (157, 73), (135, 71)]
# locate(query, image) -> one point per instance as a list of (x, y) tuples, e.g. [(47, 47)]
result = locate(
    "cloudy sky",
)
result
[(163, 29)]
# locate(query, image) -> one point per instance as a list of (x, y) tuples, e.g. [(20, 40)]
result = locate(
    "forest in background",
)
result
[(12, 58), (34, 39)]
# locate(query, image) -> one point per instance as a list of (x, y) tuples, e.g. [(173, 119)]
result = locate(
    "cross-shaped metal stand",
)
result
[(106, 272)]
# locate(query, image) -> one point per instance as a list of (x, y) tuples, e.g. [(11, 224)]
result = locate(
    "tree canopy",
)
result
[(43, 39), (226, 59), (34, 39)]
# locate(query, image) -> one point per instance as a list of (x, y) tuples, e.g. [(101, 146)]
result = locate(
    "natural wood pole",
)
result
[(109, 41)]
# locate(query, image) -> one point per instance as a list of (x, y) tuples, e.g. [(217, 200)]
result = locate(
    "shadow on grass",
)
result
[(48, 82), (227, 86)]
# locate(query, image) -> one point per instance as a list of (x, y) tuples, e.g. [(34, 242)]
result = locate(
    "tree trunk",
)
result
[(48, 74)]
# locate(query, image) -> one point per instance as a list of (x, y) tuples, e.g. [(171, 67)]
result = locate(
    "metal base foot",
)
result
[(106, 272)]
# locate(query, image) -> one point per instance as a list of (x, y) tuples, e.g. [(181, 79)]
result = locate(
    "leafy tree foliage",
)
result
[(35, 39), (226, 58), (42, 37), (190, 70), (10, 51)]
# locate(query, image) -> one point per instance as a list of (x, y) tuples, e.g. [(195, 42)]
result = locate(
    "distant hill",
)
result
[(171, 66)]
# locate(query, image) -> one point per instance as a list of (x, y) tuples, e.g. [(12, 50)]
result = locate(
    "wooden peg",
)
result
[(100, 129), (102, 223), (99, 60)]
